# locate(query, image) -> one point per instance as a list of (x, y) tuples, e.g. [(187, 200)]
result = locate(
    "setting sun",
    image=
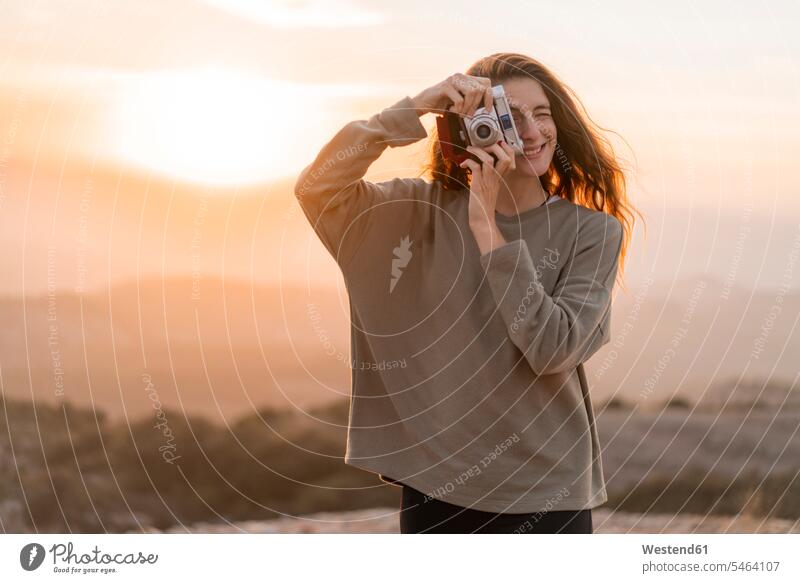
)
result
[(209, 126)]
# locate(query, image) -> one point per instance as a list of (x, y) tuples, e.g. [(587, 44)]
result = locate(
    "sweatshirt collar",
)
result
[(552, 201)]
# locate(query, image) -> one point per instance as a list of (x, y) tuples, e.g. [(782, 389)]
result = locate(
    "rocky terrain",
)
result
[(70, 469)]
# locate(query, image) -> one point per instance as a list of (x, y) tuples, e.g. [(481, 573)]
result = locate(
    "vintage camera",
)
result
[(482, 129)]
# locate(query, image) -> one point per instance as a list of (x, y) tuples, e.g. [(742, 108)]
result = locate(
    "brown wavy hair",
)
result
[(585, 168)]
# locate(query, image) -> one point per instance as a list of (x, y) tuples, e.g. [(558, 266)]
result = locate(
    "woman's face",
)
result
[(533, 118)]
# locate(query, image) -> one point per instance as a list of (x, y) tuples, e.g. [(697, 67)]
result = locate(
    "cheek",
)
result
[(553, 141), (551, 132)]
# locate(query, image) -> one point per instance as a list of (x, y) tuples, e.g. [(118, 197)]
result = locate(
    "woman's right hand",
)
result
[(459, 93)]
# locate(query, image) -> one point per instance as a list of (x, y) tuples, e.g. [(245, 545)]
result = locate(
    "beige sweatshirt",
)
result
[(467, 375)]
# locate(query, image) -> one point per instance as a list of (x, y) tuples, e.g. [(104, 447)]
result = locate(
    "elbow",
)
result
[(303, 185), (550, 366), (567, 358)]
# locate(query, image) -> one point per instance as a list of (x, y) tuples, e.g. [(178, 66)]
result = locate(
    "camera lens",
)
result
[(483, 131)]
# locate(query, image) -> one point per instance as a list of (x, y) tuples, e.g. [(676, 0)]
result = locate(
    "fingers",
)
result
[(481, 153), (485, 158), (488, 98), (473, 91), (503, 162), (481, 86), (455, 97), (472, 101), (483, 93), (472, 165), (506, 158)]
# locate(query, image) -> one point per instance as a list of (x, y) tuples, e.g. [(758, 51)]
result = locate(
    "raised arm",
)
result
[(331, 190), (556, 333)]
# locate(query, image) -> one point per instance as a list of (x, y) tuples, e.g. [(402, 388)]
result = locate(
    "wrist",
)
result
[(417, 108), (482, 223), (487, 235)]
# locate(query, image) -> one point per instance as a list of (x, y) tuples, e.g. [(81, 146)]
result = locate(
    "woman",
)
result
[(475, 298)]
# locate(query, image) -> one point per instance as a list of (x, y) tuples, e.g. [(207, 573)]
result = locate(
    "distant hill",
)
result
[(743, 394), (684, 337), (223, 348), (216, 347)]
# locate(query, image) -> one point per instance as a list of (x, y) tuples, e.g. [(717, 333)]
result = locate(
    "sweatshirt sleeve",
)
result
[(331, 190), (556, 333)]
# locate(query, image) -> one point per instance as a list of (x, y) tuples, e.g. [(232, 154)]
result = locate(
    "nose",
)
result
[(530, 130)]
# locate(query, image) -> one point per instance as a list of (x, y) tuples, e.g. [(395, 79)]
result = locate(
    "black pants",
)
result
[(420, 514)]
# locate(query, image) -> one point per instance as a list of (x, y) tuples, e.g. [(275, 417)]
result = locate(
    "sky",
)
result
[(234, 93)]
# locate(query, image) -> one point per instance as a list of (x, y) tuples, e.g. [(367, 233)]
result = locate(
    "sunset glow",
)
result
[(210, 125), (130, 102)]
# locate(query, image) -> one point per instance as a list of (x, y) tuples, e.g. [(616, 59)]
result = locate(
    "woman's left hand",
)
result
[(483, 190), (485, 182)]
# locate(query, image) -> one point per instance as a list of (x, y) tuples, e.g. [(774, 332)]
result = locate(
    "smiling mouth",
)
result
[(531, 152)]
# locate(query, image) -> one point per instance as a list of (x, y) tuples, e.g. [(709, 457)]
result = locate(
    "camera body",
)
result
[(481, 129)]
